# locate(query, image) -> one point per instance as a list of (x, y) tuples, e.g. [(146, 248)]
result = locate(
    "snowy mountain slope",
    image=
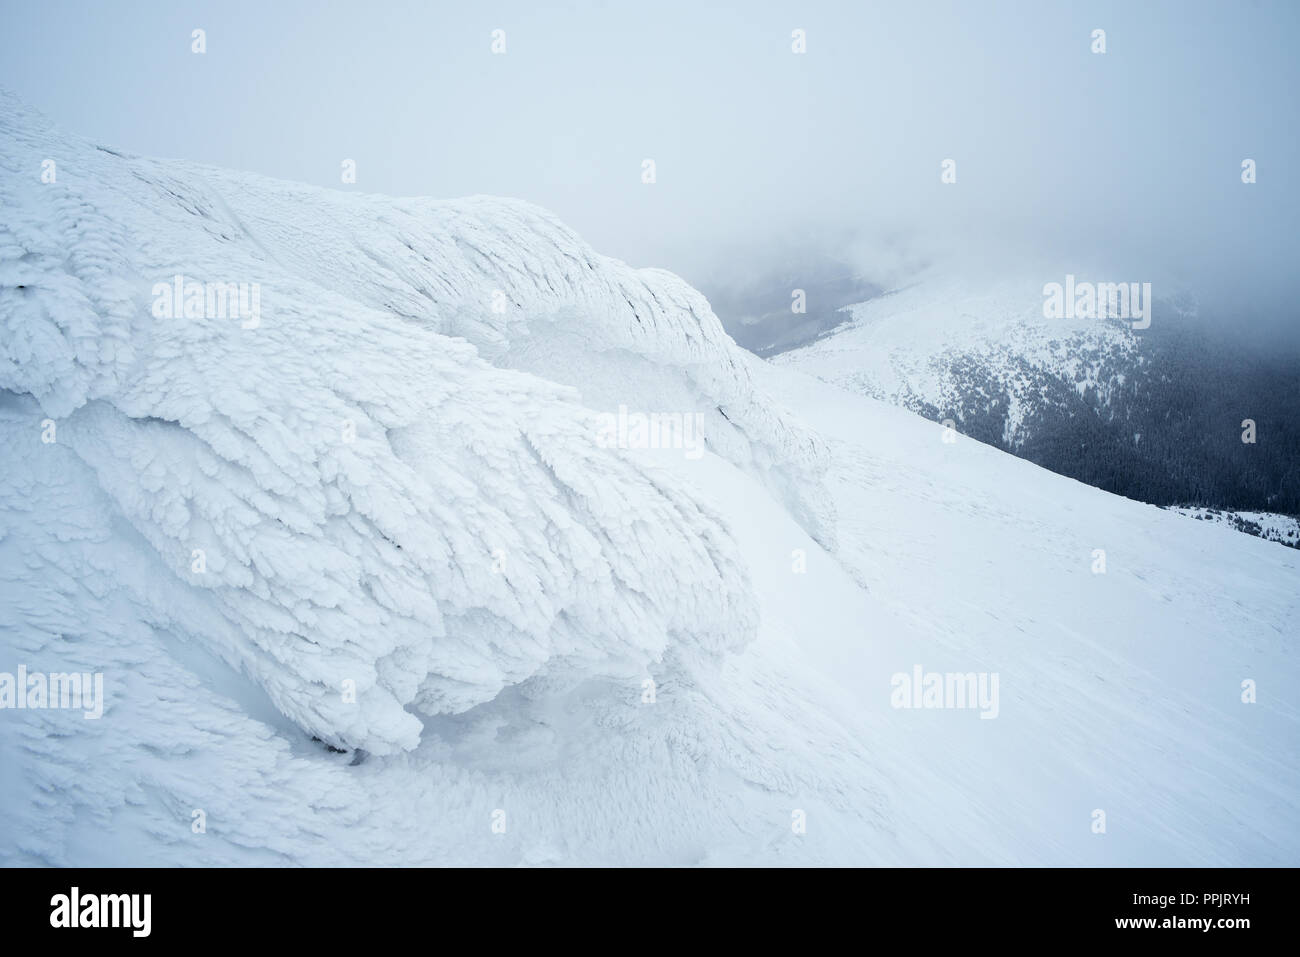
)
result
[(653, 677), (1122, 690), (1156, 415), (1114, 696), (950, 346)]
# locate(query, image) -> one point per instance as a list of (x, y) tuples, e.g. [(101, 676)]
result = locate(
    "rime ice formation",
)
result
[(374, 511), (359, 497), (531, 295)]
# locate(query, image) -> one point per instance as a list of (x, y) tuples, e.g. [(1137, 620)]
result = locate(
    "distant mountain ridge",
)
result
[(1156, 415)]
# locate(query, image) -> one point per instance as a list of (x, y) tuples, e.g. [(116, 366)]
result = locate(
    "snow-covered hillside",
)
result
[(380, 517), (1273, 528), (962, 348), (1156, 415)]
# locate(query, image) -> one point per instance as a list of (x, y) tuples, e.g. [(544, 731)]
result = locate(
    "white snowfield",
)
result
[(380, 517)]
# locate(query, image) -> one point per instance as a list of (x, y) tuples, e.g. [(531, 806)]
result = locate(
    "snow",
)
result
[(1121, 691), (609, 653), (931, 345), (332, 558), (1269, 526)]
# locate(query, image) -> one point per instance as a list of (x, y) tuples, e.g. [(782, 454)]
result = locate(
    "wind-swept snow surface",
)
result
[(377, 513)]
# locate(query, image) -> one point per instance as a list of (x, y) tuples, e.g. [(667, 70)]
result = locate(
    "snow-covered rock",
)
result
[(379, 520)]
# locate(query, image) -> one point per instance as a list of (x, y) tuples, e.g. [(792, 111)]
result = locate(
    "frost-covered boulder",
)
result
[(379, 521), (530, 295)]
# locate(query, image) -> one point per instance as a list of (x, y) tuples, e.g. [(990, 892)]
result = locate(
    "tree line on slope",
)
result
[(1171, 433)]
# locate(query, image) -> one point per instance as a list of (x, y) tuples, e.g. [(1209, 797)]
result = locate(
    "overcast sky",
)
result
[(1128, 160)]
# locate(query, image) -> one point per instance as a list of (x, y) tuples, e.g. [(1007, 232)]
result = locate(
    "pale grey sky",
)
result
[(1131, 157)]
